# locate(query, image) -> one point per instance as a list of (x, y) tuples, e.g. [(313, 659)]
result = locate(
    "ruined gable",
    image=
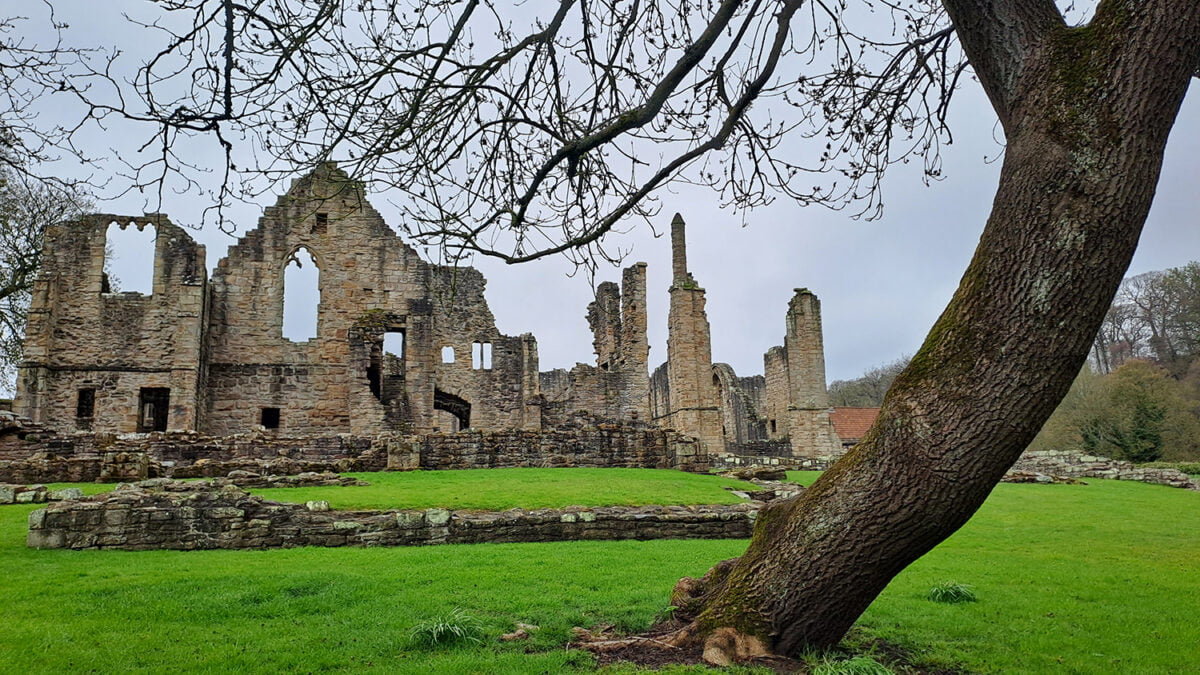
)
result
[(101, 359), (398, 345)]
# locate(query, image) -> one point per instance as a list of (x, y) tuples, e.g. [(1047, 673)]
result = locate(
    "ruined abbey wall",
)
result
[(91, 355), (210, 356), (784, 410)]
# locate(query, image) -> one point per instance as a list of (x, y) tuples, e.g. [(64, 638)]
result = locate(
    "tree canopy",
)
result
[(511, 131)]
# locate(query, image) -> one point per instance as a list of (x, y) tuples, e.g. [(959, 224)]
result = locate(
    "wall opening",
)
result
[(301, 296), (85, 409), (269, 418), (773, 430), (481, 356), (447, 354), (454, 405), (393, 343), (153, 406), (375, 370), (321, 223), (385, 371), (128, 259)]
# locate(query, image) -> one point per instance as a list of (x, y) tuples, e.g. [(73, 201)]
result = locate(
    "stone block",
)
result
[(437, 517), (65, 493)]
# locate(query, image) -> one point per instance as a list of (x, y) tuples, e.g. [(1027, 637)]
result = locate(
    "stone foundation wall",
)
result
[(137, 518), (726, 462), (1069, 465), (605, 446), (35, 494), (83, 458)]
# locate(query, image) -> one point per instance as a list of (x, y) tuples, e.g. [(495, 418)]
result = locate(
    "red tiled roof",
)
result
[(851, 424)]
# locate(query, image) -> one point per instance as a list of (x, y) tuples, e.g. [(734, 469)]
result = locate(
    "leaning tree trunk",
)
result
[(1086, 113)]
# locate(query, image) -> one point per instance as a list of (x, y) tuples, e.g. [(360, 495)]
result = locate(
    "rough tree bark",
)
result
[(1086, 112)]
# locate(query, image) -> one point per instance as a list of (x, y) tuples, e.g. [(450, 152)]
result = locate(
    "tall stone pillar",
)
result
[(809, 426), (635, 346), (695, 409), (679, 268), (531, 392)]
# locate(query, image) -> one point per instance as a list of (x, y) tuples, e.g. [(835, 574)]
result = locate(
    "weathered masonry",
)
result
[(401, 345)]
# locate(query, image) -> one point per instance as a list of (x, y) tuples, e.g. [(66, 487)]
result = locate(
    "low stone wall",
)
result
[(84, 457), (604, 446), (155, 516), (1069, 465), (730, 462), (35, 494)]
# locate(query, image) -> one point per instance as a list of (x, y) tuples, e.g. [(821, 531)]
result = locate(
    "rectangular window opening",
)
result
[(321, 223), (85, 409), (481, 356), (447, 354), (270, 418), (153, 407)]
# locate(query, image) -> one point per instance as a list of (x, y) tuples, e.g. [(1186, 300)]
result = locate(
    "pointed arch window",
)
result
[(301, 295)]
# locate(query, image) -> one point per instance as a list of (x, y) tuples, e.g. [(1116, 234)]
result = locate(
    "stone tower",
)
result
[(808, 422), (694, 408)]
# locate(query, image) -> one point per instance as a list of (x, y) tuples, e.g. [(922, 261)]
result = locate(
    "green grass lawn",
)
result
[(498, 489), (1097, 578)]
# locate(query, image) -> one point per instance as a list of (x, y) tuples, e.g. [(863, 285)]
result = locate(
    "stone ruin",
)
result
[(207, 356)]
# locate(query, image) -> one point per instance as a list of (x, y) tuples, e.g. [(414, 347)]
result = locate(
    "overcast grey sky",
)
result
[(882, 283)]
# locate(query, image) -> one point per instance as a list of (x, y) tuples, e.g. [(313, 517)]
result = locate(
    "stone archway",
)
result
[(460, 408)]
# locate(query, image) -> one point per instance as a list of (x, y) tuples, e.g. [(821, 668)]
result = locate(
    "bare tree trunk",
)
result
[(1086, 112)]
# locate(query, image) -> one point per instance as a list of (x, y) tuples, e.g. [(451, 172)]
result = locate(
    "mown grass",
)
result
[(498, 489), (1098, 578)]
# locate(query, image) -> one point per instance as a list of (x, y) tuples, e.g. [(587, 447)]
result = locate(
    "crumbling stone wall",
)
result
[(741, 399), (617, 387), (35, 494), (81, 338), (1073, 465), (728, 413), (210, 357), (216, 354), (584, 441), (371, 283), (603, 446), (143, 518)]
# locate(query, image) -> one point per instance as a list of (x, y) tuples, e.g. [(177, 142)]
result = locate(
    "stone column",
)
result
[(695, 409), (679, 268), (635, 346), (809, 426), (531, 387)]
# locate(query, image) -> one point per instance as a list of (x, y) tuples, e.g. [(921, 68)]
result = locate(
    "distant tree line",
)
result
[(1139, 413), (867, 391), (1156, 317), (1138, 399)]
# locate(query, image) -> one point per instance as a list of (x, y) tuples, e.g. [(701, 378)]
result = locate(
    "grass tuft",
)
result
[(454, 628), (951, 593), (859, 665)]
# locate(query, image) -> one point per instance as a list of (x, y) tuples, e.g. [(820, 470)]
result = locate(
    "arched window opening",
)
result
[(447, 354), (301, 296), (481, 356), (458, 407), (128, 259)]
